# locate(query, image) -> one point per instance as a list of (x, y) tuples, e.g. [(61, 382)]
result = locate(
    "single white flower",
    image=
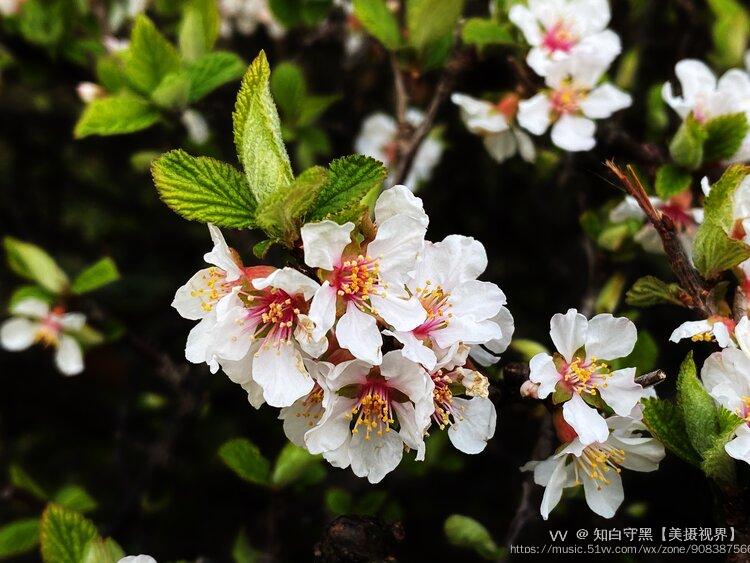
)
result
[(597, 466), (137, 559), (10, 7), (561, 29), (494, 123), (459, 309), (579, 371), (364, 282), (88, 92), (33, 321), (196, 126), (726, 376), (377, 139), (358, 428), (714, 329), (572, 103)]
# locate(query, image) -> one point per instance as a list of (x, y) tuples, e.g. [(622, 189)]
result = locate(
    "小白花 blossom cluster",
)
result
[(366, 348)]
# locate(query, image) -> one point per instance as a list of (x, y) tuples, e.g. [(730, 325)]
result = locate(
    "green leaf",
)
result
[(42, 23), (150, 57), (110, 73), (338, 501), (430, 21), (379, 22), (19, 536), (29, 292), (204, 189), (244, 458), (289, 89), (87, 336), (116, 115), (199, 28), (279, 215), (686, 147), (665, 422), (291, 464), (649, 290), (64, 535), (97, 275), (484, 31), (257, 133), (351, 179), (715, 250), (698, 410), (75, 498), (671, 180), (729, 32), (22, 480), (31, 262), (610, 294), (613, 236), (527, 348), (243, 552), (315, 106), (466, 532), (716, 462), (173, 91), (100, 550), (725, 136), (211, 71)]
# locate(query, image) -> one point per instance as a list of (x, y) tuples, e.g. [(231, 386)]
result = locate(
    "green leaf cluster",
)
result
[(649, 290), (718, 139), (66, 536), (463, 531)]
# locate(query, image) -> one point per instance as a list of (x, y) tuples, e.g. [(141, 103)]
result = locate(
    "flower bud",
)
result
[(529, 389)]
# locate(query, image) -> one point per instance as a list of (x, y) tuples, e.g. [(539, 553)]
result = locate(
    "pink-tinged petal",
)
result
[(475, 425), (542, 370), (585, 420), (608, 337), (18, 334), (324, 242), (289, 280), (69, 356), (358, 332), (621, 392), (279, 370), (568, 332)]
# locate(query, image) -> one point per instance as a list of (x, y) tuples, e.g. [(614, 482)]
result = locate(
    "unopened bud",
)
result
[(529, 389), (564, 431), (88, 92)]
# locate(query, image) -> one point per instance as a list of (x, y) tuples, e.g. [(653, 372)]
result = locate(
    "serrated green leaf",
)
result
[(467, 533), (211, 71), (30, 292), (257, 133), (116, 115), (31, 262), (75, 498), (725, 136), (150, 56), (484, 31), (199, 28), (379, 22), (204, 189), (19, 537), (717, 464), (351, 179), (291, 464), (431, 21), (671, 180), (173, 91), (686, 147), (280, 213), (244, 458), (649, 290), (100, 550), (97, 275), (698, 410), (665, 422), (64, 535), (289, 89)]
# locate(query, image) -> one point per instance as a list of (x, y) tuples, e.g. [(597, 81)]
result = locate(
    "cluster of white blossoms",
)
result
[(572, 49), (315, 345), (595, 446), (33, 321), (244, 17)]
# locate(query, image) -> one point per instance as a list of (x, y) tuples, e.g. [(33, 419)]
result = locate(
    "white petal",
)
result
[(376, 457), (479, 300), (475, 425), (18, 334), (695, 78), (689, 329), (282, 375), (73, 321), (296, 422), (604, 499), (333, 430), (585, 420), (402, 311), (414, 349), (221, 256), (501, 146), (603, 101), (410, 430), (289, 280), (137, 559), (540, 60), (323, 310), (726, 376), (466, 330), (69, 356), (358, 332), (399, 200), (199, 345), (742, 334), (628, 208), (526, 21), (534, 114), (739, 446), (406, 376), (553, 491), (450, 262), (30, 307), (193, 300), (621, 392), (525, 145), (542, 370), (305, 334), (641, 454), (573, 133), (497, 346), (608, 337), (324, 242), (568, 332), (397, 244)]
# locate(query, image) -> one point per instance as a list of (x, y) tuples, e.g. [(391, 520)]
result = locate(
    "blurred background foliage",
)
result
[(142, 446)]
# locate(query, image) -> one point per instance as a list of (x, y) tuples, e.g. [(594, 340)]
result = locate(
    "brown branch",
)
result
[(689, 278)]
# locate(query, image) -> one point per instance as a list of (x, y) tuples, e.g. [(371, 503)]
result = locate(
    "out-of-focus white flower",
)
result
[(377, 139), (459, 308), (726, 376), (678, 208), (114, 45), (137, 559), (705, 97), (597, 466), (123, 11), (33, 321), (494, 123), (196, 126), (579, 370), (10, 7), (561, 29), (572, 103), (367, 281), (245, 16), (88, 92), (714, 329), (366, 401)]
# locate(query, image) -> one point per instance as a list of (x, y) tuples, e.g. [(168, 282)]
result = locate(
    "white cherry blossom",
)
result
[(579, 370), (33, 321), (245, 16), (561, 29), (137, 559), (714, 329)]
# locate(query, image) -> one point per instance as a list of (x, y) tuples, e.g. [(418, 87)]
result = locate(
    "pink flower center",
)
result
[(436, 305), (357, 279), (442, 396), (744, 411), (50, 327), (273, 315), (566, 99), (373, 410), (559, 37), (585, 376)]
